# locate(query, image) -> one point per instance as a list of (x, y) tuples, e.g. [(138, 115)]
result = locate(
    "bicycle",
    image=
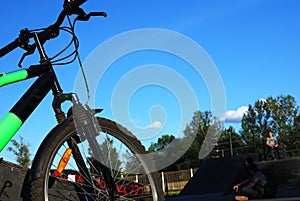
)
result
[(77, 159)]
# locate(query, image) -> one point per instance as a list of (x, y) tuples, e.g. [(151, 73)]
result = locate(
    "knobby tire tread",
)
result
[(37, 184)]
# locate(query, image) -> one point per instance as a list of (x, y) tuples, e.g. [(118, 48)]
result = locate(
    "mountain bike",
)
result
[(84, 157)]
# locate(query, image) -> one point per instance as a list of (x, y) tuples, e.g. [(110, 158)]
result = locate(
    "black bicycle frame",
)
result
[(46, 82), (32, 97)]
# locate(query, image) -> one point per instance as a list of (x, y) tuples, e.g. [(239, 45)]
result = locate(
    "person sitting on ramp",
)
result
[(253, 186)]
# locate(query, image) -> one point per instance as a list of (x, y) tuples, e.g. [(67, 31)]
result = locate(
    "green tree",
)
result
[(21, 152), (161, 143), (285, 116), (110, 154), (195, 132), (256, 123), (295, 144), (198, 128), (276, 114), (230, 143)]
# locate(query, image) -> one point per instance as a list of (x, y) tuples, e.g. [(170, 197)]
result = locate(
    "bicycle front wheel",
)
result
[(63, 175)]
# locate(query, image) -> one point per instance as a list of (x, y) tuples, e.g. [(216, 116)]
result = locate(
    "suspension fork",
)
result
[(72, 143), (85, 123), (60, 98)]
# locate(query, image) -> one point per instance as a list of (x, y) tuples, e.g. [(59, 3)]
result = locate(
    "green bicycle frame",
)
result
[(12, 77), (15, 118), (11, 123)]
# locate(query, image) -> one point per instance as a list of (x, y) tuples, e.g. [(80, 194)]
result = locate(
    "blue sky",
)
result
[(253, 43)]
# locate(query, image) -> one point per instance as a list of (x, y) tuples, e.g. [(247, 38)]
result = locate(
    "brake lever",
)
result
[(86, 17), (30, 51)]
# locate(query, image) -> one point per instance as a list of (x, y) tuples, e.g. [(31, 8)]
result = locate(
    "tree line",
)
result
[(279, 115)]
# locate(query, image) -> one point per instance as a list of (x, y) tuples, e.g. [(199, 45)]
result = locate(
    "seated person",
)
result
[(253, 186)]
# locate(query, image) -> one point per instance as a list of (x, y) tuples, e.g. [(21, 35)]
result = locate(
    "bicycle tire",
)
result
[(45, 186)]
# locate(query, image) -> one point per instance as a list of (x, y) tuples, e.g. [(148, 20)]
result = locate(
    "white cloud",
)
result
[(234, 116), (155, 124)]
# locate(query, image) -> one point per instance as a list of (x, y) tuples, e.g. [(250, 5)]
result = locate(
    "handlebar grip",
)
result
[(103, 14), (10, 47)]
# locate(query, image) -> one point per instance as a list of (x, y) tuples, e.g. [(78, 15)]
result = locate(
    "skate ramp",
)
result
[(215, 178), (215, 175)]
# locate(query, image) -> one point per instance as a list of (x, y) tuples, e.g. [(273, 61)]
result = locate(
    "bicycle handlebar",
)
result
[(10, 47), (78, 3), (70, 7)]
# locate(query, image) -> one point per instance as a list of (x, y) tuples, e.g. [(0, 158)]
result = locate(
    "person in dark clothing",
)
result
[(253, 186), (272, 146)]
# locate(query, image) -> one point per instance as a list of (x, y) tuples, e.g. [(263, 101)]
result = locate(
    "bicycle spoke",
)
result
[(82, 177)]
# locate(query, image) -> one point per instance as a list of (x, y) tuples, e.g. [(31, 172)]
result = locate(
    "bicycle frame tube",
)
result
[(14, 119), (12, 77)]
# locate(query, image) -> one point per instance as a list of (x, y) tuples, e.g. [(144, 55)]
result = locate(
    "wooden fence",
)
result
[(173, 182)]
